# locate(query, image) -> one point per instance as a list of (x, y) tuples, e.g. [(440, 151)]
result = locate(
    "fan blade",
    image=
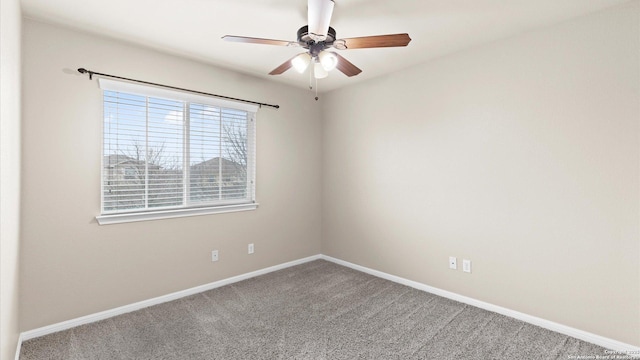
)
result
[(283, 67), (346, 67), (378, 41), (319, 16), (252, 40)]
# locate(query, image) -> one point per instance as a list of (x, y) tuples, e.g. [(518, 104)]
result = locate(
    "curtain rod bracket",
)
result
[(91, 73)]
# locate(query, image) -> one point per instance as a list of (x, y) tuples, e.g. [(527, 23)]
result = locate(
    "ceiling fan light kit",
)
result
[(319, 72), (328, 59), (317, 37), (301, 62)]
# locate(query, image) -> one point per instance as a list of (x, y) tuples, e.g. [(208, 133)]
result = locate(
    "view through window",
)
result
[(160, 153)]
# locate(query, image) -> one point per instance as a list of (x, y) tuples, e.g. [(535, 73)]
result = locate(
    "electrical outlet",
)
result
[(466, 265), (250, 249), (214, 255), (453, 263)]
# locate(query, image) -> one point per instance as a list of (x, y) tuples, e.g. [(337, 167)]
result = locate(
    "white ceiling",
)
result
[(193, 28)]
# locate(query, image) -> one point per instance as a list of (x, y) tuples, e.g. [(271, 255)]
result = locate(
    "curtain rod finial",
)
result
[(84, 71)]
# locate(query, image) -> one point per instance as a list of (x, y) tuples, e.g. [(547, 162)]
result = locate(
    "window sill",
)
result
[(168, 214)]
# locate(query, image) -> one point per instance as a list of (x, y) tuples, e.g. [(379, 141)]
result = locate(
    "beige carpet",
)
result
[(318, 310)]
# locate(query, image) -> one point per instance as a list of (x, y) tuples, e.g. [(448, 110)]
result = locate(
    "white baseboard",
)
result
[(155, 301), (562, 329), (18, 347), (550, 325)]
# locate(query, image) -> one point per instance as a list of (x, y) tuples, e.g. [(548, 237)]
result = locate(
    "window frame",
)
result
[(233, 205)]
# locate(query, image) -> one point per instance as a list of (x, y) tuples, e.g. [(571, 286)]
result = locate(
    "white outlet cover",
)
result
[(250, 249), (214, 255), (453, 263), (466, 265)]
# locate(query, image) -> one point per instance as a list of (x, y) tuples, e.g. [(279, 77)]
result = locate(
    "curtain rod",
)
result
[(91, 73)]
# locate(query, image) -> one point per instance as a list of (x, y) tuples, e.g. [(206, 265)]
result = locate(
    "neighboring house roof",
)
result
[(215, 162), (115, 160), (230, 168)]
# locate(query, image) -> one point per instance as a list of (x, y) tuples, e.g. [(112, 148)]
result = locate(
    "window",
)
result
[(168, 153)]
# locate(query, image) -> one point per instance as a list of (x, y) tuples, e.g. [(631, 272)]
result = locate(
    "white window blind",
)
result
[(166, 150)]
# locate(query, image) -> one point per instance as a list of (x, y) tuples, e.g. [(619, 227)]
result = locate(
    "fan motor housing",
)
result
[(307, 42)]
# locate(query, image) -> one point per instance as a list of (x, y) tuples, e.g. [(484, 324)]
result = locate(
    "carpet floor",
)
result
[(317, 310)]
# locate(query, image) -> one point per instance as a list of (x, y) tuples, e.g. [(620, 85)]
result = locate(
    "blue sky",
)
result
[(125, 126)]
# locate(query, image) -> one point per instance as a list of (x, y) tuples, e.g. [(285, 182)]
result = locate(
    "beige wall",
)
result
[(521, 155), (70, 265), (10, 29)]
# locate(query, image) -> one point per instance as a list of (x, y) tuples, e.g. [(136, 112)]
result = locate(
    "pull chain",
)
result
[(311, 78)]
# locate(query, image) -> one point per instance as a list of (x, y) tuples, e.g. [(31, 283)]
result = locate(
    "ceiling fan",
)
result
[(317, 37)]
